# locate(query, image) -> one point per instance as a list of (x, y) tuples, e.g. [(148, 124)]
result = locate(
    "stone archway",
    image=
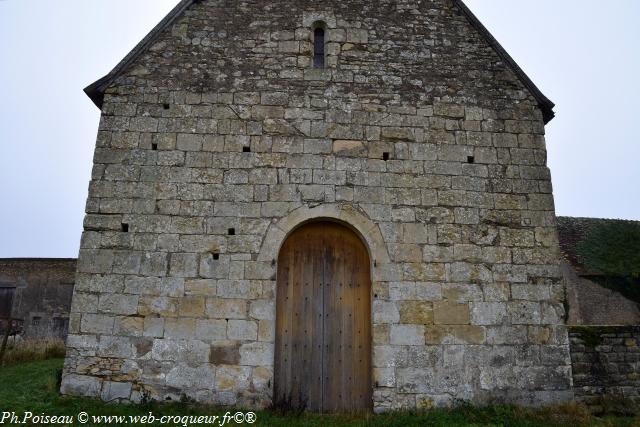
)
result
[(367, 230)]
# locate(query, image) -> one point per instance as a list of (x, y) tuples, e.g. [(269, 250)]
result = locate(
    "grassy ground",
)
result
[(33, 387)]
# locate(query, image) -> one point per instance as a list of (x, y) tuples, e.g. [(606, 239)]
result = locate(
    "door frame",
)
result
[(372, 265)]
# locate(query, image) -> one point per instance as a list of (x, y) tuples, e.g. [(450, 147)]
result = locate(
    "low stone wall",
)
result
[(605, 362)]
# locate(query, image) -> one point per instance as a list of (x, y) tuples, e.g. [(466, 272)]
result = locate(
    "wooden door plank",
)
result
[(361, 279), (313, 320), (281, 383), (298, 393), (346, 324)]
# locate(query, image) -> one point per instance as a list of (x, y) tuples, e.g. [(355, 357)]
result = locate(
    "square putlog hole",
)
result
[(216, 256), (154, 146), (246, 149), (385, 156), (471, 159), (232, 232), (125, 227), (166, 106)]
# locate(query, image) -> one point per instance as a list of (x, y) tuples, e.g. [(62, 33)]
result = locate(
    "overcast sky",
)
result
[(583, 54)]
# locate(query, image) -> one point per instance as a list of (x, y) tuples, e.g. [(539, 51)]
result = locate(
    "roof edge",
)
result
[(575, 219), (19, 259), (545, 104), (95, 91)]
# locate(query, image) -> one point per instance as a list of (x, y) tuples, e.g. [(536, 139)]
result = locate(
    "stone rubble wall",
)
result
[(42, 290), (606, 362), (467, 294)]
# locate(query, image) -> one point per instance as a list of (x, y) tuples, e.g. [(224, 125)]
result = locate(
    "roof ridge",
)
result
[(596, 219)]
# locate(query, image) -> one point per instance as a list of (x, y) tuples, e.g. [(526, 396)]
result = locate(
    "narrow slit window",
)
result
[(318, 48)]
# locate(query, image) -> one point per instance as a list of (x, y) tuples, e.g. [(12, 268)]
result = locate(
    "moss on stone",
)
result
[(591, 335), (612, 249)]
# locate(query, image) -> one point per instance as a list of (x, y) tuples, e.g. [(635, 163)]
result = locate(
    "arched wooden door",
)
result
[(323, 321)]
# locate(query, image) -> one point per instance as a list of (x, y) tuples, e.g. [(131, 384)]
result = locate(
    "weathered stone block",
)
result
[(415, 380), (186, 377), (405, 252), (407, 335), (342, 147), (256, 354), (455, 335), (488, 313), (232, 378), (84, 302), (191, 306), (96, 324), (120, 347), (262, 309), (201, 287), (450, 313), (224, 308), (525, 312), (243, 330), (112, 391), (214, 268), (80, 385), (416, 312), (129, 326), (179, 328), (418, 233), (153, 327), (192, 352), (183, 265), (211, 330), (385, 312), (266, 330), (239, 289), (118, 304), (162, 306), (462, 293)]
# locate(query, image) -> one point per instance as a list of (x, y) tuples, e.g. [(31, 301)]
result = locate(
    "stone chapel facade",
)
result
[(331, 205)]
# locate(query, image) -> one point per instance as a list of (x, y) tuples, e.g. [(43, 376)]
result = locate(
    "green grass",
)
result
[(33, 387)]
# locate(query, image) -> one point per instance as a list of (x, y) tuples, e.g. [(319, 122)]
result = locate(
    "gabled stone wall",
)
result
[(467, 295)]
